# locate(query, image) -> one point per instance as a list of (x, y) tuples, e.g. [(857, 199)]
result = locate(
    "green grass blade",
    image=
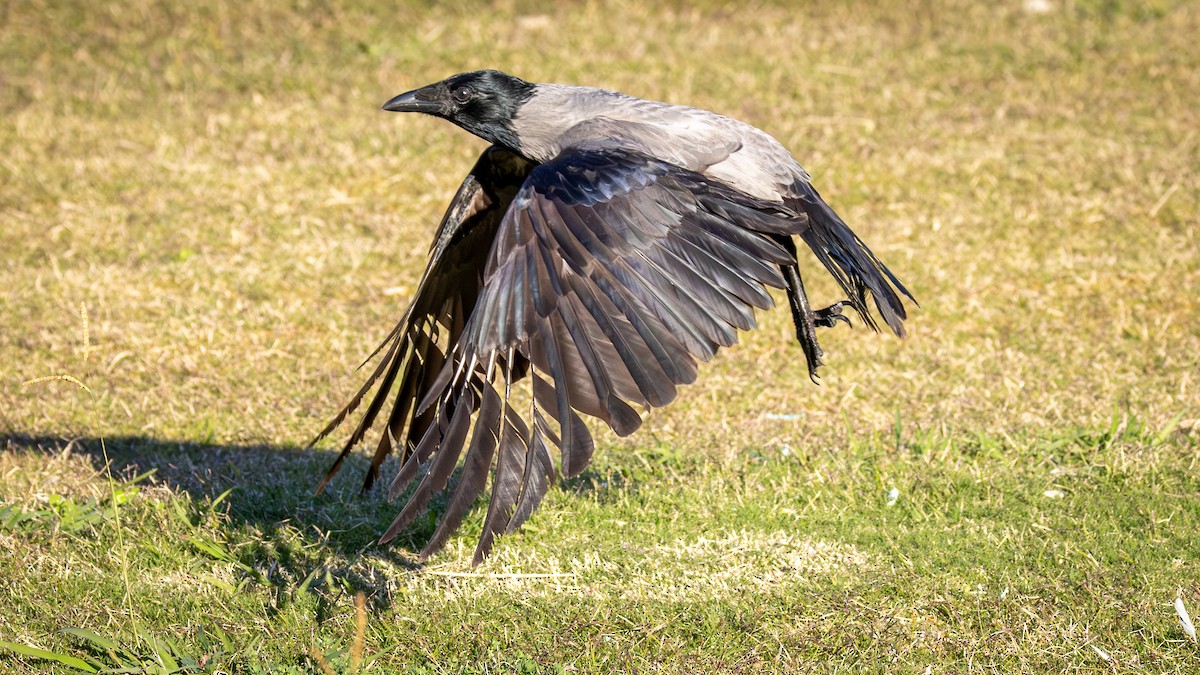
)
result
[(221, 497), (34, 652), (90, 636)]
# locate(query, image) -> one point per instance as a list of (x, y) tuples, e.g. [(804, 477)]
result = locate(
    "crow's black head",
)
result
[(483, 102)]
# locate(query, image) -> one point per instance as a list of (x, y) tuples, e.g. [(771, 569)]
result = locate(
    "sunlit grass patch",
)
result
[(682, 570)]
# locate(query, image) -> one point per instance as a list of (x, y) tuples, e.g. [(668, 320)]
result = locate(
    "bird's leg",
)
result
[(831, 315), (803, 317), (802, 314)]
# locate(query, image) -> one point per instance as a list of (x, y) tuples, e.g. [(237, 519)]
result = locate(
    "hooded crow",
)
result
[(600, 247)]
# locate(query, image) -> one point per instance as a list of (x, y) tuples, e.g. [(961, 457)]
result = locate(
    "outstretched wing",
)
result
[(416, 348), (611, 274)]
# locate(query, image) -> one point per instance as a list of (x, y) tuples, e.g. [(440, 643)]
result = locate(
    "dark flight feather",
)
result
[(851, 263)]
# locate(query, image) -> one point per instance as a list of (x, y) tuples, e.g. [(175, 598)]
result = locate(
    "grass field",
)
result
[(206, 223)]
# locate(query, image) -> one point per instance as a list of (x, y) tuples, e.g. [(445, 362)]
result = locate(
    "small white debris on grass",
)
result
[(1101, 653), (1185, 619), (1038, 6), (892, 496), (1055, 494)]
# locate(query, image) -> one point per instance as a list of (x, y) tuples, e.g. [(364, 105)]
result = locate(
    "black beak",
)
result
[(413, 101)]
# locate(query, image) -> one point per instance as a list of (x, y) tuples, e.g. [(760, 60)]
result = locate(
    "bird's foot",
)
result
[(831, 315)]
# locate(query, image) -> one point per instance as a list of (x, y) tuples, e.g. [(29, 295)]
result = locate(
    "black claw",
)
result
[(831, 315)]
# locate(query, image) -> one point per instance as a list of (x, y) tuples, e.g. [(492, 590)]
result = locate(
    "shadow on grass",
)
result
[(273, 486)]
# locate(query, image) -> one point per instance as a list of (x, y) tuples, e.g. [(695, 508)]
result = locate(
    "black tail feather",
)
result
[(851, 263)]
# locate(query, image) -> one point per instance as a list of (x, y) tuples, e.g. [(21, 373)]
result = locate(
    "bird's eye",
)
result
[(462, 94)]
